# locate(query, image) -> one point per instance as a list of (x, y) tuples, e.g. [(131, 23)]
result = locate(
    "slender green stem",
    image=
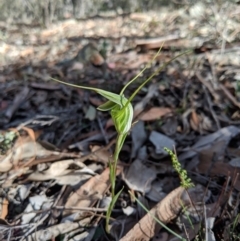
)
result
[(113, 175), (149, 78), (147, 66), (76, 86), (119, 143)]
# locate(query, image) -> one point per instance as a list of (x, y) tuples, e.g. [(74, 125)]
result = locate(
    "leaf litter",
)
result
[(55, 146)]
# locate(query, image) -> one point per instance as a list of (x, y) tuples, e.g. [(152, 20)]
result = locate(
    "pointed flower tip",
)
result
[(122, 117)]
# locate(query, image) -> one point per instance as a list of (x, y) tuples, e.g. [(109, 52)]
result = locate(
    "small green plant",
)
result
[(234, 234), (185, 183), (186, 213), (185, 180), (121, 111), (6, 141)]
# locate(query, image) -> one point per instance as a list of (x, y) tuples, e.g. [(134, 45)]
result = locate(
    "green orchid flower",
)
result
[(121, 111)]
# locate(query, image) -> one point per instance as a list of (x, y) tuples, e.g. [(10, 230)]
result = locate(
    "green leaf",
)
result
[(116, 98), (106, 106), (110, 208), (110, 96)]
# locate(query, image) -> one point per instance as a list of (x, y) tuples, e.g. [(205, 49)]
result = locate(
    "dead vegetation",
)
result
[(55, 146)]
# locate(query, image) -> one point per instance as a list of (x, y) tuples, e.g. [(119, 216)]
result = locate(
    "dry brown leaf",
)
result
[(4, 208), (194, 120), (52, 232), (100, 154), (147, 227), (30, 132), (165, 211), (89, 193), (65, 172), (26, 150), (200, 122), (155, 113)]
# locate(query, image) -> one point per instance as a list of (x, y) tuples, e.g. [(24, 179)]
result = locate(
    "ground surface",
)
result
[(55, 146)]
